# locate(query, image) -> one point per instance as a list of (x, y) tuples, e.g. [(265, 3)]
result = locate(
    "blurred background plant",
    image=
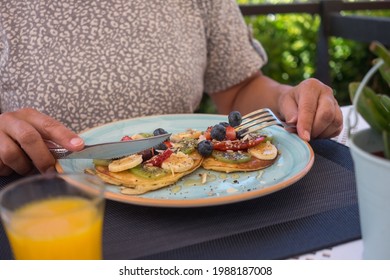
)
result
[(291, 41), (375, 106)]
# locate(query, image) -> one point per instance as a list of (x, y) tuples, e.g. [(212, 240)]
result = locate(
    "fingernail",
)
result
[(50, 170), (77, 141), (291, 120), (306, 135)]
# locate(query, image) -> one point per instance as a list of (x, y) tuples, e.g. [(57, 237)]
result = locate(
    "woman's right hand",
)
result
[(21, 141)]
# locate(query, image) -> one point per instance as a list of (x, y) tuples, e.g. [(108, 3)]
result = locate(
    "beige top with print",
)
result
[(88, 62)]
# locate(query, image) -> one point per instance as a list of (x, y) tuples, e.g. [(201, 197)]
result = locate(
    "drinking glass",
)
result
[(54, 216)]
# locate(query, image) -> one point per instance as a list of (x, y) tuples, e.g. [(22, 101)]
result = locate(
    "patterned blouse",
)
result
[(89, 62)]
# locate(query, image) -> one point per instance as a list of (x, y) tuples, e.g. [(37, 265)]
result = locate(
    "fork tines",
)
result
[(257, 120)]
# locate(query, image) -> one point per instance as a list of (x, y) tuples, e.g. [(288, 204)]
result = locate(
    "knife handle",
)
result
[(56, 150)]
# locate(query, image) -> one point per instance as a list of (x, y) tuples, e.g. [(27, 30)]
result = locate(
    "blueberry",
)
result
[(147, 154), (225, 124), (235, 118), (159, 131), (205, 148), (218, 132), (161, 146)]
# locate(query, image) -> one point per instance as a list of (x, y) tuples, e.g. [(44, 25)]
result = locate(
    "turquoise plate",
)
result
[(295, 160)]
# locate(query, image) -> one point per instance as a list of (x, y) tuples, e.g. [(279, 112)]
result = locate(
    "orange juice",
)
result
[(57, 228)]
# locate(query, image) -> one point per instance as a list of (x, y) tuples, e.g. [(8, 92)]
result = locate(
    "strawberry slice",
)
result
[(126, 138), (237, 145), (168, 144), (230, 133), (207, 133), (159, 159)]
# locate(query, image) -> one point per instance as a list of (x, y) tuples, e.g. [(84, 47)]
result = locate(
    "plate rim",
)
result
[(199, 202)]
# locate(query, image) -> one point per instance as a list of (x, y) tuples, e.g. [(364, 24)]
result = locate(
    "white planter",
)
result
[(373, 189)]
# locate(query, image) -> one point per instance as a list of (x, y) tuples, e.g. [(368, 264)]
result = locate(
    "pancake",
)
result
[(133, 184), (254, 164), (259, 157)]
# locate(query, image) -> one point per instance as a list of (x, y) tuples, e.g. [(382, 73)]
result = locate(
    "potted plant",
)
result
[(370, 150)]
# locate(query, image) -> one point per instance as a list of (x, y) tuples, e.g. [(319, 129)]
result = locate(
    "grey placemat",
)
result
[(318, 211)]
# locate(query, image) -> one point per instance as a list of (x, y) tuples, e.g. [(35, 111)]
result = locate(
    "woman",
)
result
[(68, 66)]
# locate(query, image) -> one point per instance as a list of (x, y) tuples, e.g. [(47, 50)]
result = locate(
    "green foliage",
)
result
[(374, 106), (291, 41)]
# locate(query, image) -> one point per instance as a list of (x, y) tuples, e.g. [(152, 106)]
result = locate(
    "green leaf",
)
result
[(370, 107), (385, 72), (386, 142), (385, 102), (379, 50)]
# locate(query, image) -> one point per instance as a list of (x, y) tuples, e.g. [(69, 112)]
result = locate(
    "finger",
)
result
[(316, 105), (325, 115), (289, 110), (51, 129), (330, 133), (29, 147), (329, 118), (5, 170), (12, 157), (307, 106), (335, 127)]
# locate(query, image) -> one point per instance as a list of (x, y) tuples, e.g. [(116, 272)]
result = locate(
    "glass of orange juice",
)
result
[(54, 217)]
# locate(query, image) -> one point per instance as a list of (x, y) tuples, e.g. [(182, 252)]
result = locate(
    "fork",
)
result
[(260, 119)]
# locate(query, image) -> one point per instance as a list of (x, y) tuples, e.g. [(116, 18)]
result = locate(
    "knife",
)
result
[(107, 150)]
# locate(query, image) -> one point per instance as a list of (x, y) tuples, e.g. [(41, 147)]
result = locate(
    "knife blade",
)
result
[(107, 150)]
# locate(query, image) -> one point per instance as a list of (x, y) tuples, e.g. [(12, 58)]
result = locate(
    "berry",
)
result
[(147, 154), (158, 159), (159, 131), (161, 146), (225, 124), (235, 118), (205, 148), (207, 133), (218, 132), (230, 133), (126, 138)]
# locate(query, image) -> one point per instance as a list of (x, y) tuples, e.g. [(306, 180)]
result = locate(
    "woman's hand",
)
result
[(313, 108), (310, 105), (21, 141)]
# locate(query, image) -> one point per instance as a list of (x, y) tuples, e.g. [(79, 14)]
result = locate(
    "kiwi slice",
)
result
[(187, 145), (231, 157), (268, 137), (146, 135), (148, 172), (102, 162), (267, 134)]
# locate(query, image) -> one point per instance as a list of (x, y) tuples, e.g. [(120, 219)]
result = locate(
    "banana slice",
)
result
[(137, 136), (189, 133), (125, 163), (264, 151), (178, 162)]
